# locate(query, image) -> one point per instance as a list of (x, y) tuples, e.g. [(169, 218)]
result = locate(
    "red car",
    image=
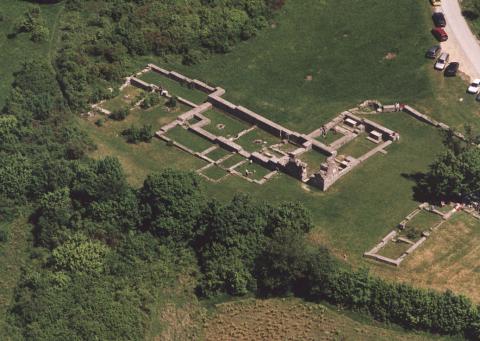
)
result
[(440, 34)]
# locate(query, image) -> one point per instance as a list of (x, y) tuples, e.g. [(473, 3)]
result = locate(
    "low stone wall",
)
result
[(181, 78), (141, 84)]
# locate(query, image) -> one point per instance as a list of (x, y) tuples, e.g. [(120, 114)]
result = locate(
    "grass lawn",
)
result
[(218, 153), (329, 138), (357, 147), (188, 139), (257, 172), (175, 88), (254, 141), (124, 100), (394, 250), (422, 222), (231, 126), (214, 172), (313, 159), (232, 161), (138, 160)]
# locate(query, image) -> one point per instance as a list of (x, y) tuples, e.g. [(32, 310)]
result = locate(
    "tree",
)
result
[(171, 203), (283, 263), (79, 254)]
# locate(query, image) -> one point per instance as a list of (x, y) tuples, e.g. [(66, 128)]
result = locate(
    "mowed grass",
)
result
[(222, 124), (232, 161), (423, 221), (342, 44), (252, 171), (214, 172), (218, 153), (293, 319), (175, 88), (313, 159), (357, 147), (447, 260), (188, 139), (256, 140)]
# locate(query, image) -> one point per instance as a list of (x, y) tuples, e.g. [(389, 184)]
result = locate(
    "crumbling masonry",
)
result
[(347, 125)]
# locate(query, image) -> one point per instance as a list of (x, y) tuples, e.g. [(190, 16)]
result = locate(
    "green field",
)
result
[(214, 172), (218, 153), (232, 161), (313, 159), (256, 172), (256, 140), (357, 147), (222, 124), (342, 44), (188, 139)]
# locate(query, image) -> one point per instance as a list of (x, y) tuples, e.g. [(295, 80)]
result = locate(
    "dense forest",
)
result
[(102, 251)]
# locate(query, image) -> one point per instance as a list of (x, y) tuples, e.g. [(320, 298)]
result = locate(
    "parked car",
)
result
[(442, 61), (439, 19), (436, 2), (474, 87), (451, 69), (440, 34), (433, 52)]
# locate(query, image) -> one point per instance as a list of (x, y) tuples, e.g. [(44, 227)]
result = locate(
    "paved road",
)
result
[(462, 44)]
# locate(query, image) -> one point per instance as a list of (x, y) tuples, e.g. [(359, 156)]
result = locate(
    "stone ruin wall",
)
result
[(288, 164)]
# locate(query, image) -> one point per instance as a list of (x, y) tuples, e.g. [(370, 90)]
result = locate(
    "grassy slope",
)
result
[(292, 319), (342, 44), (447, 260)]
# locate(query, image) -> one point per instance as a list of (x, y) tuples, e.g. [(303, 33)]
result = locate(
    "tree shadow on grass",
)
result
[(421, 192)]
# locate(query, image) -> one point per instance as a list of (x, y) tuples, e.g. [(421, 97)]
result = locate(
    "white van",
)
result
[(442, 61)]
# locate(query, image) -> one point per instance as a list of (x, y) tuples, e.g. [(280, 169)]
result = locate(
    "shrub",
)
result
[(172, 102), (151, 100), (3, 236), (120, 114), (100, 122), (135, 134)]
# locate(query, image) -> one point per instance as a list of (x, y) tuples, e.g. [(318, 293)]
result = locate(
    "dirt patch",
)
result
[(390, 56), (309, 78)]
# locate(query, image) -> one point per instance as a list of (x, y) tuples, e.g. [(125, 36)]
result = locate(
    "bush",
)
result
[(151, 100), (172, 102), (135, 134), (100, 122), (3, 236), (120, 114)]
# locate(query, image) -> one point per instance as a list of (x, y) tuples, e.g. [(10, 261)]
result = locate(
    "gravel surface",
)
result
[(462, 44)]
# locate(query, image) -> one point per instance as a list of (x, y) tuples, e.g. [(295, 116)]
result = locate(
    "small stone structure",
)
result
[(393, 236)]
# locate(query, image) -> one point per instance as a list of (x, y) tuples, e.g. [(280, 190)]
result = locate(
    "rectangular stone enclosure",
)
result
[(263, 142)]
